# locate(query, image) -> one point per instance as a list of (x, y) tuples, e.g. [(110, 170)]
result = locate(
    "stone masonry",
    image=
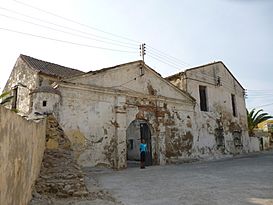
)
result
[(60, 175)]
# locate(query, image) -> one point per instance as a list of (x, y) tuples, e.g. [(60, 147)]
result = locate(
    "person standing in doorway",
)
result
[(143, 150)]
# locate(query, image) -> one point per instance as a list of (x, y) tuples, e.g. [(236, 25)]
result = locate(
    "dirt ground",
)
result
[(243, 180)]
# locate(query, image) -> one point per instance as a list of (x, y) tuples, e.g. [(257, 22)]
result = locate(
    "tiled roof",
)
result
[(50, 68)]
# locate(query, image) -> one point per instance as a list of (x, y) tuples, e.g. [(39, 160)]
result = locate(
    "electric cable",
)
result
[(47, 27), (73, 21), (69, 28), (163, 61), (63, 41), (168, 56)]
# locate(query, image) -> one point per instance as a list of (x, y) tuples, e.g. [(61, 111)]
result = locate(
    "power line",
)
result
[(165, 59), (260, 97), (121, 85), (265, 105), (69, 28), (269, 90), (172, 59), (168, 56), (162, 61), (75, 22), (29, 22), (63, 41)]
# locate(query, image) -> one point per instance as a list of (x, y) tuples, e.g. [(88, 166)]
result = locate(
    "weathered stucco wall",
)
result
[(97, 111), (134, 77), (26, 79), (218, 130), (255, 144), (96, 120), (172, 126), (44, 102), (22, 145), (88, 120)]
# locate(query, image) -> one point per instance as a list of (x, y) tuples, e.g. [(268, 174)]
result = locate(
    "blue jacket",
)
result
[(143, 147)]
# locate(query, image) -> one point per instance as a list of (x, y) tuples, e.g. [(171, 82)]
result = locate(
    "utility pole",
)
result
[(142, 49)]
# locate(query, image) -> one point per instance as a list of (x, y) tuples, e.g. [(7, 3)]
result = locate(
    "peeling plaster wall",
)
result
[(22, 75), (52, 102), (172, 126), (89, 121), (96, 122), (27, 80), (219, 119), (96, 111), (22, 145), (128, 77)]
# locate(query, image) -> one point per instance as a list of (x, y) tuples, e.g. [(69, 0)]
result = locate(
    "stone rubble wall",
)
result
[(60, 175)]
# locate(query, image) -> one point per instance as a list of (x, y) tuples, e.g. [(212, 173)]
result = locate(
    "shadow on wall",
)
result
[(22, 145)]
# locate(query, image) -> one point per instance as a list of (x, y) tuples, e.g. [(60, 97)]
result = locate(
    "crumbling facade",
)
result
[(220, 108), (106, 113)]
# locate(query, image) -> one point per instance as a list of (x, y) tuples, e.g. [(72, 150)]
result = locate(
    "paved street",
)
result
[(240, 180)]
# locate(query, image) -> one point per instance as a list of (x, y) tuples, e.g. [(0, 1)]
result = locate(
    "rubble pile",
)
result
[(60, 175)]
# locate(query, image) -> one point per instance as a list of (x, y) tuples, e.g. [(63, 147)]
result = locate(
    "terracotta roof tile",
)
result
[(50, 68)]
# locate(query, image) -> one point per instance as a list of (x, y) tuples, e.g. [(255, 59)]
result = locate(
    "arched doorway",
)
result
[(137, 130)]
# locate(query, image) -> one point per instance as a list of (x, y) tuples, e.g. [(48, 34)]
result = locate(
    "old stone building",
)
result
[(193, 114), (220, 109), (30, 74)]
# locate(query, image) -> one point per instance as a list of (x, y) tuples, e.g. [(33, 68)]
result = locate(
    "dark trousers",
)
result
[(142, 159)]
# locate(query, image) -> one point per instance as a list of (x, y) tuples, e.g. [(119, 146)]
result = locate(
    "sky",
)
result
[(179, 34)]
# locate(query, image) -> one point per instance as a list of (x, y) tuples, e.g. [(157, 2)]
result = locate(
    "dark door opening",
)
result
[(146, 135), (136, 131)]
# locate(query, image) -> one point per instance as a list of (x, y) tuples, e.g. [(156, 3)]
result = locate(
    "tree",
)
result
[(254, 118), (4, 98)]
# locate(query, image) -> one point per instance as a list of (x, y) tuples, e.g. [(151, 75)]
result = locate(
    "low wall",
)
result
[(254, 144), (22, 145)]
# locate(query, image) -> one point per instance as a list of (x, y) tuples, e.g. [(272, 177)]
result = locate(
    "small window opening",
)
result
[(141, 71), (203, 98), (40, 82), (233, 102), (15, 97), (44, 103), (218, 81)]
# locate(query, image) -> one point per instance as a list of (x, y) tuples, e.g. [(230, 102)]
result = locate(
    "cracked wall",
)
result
[(218, 131), (172, 128), (88, 120), (96, 122)]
